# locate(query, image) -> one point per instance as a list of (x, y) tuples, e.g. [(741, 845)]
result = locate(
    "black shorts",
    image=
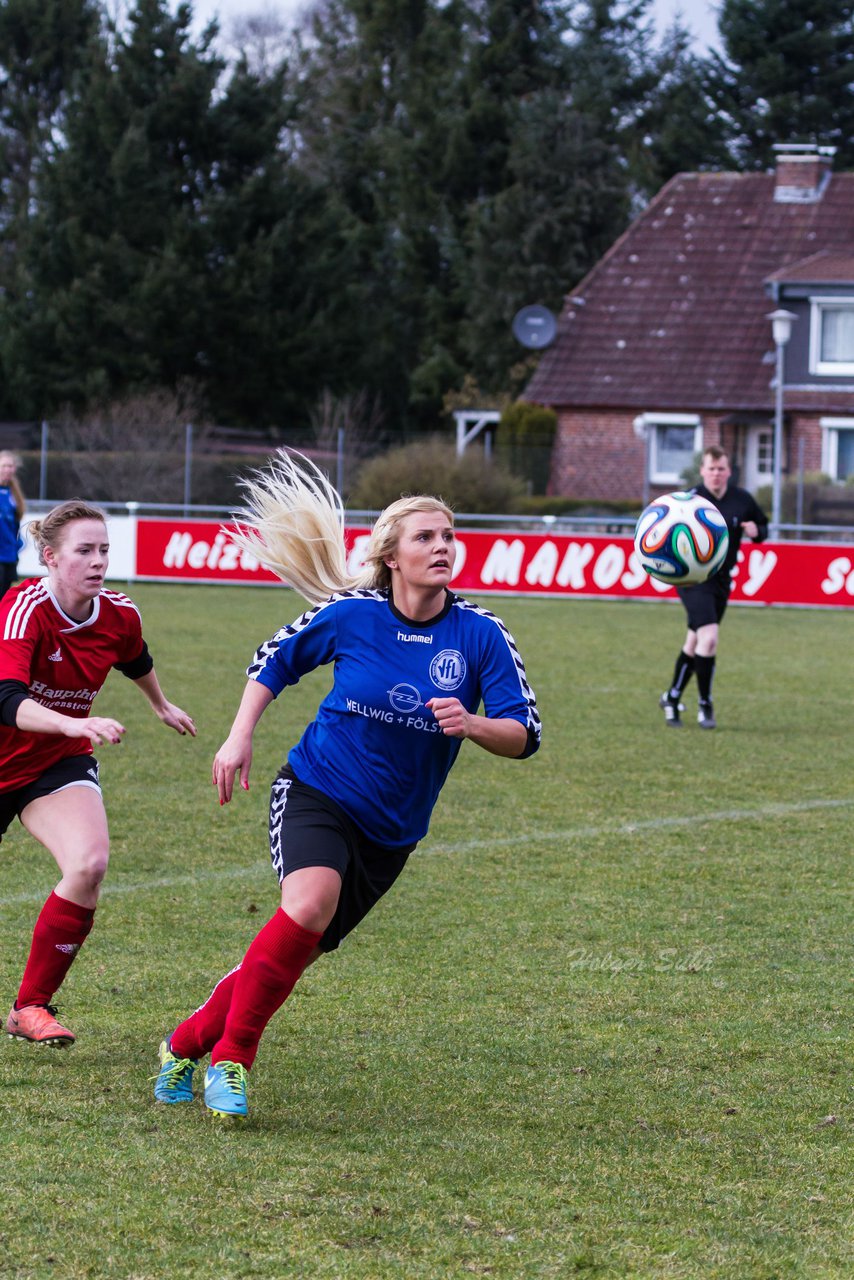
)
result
[(705, 603), (73, 771), (307, 829), (8, 575)]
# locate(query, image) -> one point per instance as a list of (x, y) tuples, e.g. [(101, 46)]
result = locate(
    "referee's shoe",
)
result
[(671, 711), (706, 715)]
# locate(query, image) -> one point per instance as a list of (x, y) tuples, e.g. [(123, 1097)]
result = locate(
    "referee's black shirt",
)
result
[(736, 506)]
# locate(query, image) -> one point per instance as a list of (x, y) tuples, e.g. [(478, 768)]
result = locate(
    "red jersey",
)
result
[(63, 663)]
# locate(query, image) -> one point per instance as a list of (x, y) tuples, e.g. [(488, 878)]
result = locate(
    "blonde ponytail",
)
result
[(293, 523)]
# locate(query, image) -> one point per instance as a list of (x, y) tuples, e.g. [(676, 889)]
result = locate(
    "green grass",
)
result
[(599, 1028)]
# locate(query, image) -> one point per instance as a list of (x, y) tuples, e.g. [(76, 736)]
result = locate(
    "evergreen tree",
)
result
[(677, 128), (282, 316), (419, 115), (612, 68), (502, 129), (366, 215), (174, 243), (571, 168), (375, 83), (114, 293), (43, 44), (543, 232), (786, 75)]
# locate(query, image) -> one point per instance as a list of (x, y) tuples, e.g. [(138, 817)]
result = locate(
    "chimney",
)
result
[(802, 173)]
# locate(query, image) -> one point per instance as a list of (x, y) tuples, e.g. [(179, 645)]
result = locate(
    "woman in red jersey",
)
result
[(59, 638)]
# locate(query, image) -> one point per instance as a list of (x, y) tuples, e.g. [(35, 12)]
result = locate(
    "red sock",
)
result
[(61, 930), (265, 979), (197, 1034)]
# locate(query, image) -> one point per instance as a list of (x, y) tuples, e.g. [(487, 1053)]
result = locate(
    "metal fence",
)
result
[(592, 524), (833, 501)]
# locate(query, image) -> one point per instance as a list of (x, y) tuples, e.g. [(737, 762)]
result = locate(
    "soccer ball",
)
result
[(681, 538)]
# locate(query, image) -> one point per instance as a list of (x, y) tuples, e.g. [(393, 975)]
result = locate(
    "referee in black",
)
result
[(705, 602)]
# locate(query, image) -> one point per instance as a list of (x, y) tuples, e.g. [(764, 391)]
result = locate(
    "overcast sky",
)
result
[(698, 15)]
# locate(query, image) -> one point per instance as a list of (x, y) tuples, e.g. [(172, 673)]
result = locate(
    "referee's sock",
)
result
[(61, 930), (705, 668), (682, 672), (265, 979)]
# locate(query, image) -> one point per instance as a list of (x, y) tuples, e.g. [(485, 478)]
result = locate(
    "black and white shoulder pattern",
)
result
[(265, 651), (534, 724)]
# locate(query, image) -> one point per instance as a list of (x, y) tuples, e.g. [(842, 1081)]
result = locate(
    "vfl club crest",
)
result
[(448, 670)]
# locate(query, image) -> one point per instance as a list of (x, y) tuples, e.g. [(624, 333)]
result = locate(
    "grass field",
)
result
[(601, 1027)]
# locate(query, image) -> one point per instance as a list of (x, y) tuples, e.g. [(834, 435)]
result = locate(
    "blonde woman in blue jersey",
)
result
[(413, 662)]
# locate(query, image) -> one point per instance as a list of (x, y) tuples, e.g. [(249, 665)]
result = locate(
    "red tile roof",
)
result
[(673, 317), (819, 268)]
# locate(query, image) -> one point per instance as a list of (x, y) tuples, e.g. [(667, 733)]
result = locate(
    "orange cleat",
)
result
[(37, 1023)]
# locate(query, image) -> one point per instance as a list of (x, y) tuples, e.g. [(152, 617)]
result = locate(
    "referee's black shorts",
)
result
[(705, 602), (307, 829)]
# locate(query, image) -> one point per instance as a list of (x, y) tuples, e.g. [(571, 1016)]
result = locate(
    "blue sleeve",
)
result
[(295, 650), (504, 684)]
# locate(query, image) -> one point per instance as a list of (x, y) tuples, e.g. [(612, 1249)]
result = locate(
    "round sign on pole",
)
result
[(534, 327)]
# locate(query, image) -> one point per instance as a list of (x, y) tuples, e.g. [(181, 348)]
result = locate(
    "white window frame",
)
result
[(646, 424), (830, 429), (752, 456), (817, 308)]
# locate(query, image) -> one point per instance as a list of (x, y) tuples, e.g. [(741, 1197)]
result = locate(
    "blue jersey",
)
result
[(10, 543), (374, 747)]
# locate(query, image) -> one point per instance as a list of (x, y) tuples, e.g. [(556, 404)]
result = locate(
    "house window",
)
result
[(837, 447), (672, 441), (832, 336), (765, 452), (756, 463)]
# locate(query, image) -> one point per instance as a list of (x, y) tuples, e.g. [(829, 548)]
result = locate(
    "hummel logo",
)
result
[(67, 948), (55, 657)]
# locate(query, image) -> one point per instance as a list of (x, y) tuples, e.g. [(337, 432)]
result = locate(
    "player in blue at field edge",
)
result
[(705, 602), (412, 663), (12, 507)]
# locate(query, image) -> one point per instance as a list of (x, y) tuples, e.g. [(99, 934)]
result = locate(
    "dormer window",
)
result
[(832, 336)]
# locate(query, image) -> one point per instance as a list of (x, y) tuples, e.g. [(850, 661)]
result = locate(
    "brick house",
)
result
[(666, 345)]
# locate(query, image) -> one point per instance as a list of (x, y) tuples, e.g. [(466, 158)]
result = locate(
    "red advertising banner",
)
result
[(193, 551), (789, 573)]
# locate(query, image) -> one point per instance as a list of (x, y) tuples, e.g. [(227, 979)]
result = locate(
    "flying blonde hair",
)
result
[(292, 521)]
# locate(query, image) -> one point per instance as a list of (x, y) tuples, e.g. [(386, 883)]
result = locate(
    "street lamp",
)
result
[(781, 328)]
